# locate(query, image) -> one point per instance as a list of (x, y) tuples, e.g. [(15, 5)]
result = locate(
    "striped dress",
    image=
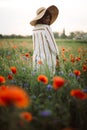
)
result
[(45, 48)]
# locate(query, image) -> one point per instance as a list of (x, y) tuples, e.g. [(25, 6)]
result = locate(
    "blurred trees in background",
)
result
[(77, 35)]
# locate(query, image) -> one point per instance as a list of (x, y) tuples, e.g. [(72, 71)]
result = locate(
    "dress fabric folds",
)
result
[(45, 48)]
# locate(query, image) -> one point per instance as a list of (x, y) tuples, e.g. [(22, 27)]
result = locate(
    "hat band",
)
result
[(40, 11)]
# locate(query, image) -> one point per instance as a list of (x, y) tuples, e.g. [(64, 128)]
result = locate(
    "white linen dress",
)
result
[(44, 48)]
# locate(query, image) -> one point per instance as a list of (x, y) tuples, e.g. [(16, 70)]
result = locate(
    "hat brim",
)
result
[(53, 11)]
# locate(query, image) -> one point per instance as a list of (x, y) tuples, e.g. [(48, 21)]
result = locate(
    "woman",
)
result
[(45, 49)]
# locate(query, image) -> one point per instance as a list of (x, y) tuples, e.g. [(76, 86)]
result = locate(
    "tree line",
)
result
[(77, 35), (14, 36)]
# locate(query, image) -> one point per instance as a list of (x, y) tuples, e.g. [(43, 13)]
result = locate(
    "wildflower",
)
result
[(84, 67), (61, 73), (14, 46), (27, 116), (71, 75), (33, 97), (13, 69), (27, 55), (33, 72), (45, 113), (77, 72), (49, 97), (73, 60), (78, 78), (63, 49), (2, 79), (10, 77), (58, 82), (78, 58), (84, 90), (78, 94), (40, 62), (26, 85), (12, 95), (42, 78), (49, 87), (13, 81)]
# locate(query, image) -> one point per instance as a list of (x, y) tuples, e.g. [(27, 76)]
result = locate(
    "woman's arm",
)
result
[(51, 41)]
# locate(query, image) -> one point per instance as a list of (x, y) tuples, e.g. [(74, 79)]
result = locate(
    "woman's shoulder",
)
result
[(42, 25)]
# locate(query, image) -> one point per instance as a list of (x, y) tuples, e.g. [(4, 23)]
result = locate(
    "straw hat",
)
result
[(41, 12)]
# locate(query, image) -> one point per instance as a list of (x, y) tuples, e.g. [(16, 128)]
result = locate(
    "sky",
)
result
[(15, 15)]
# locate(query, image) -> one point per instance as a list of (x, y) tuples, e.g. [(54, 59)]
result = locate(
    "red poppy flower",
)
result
[(78, 94), (78, 58), (39, 62), (13, 69), (26, 115), (77, 72), (14, 46), (13, 96), (73, 60), (42, 78), (84, 67), (10, 77), (2, 79), (63, 49), (27, 55), (58, 82)]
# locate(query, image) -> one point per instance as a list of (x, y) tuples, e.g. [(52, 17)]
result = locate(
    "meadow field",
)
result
[(32, 100)]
